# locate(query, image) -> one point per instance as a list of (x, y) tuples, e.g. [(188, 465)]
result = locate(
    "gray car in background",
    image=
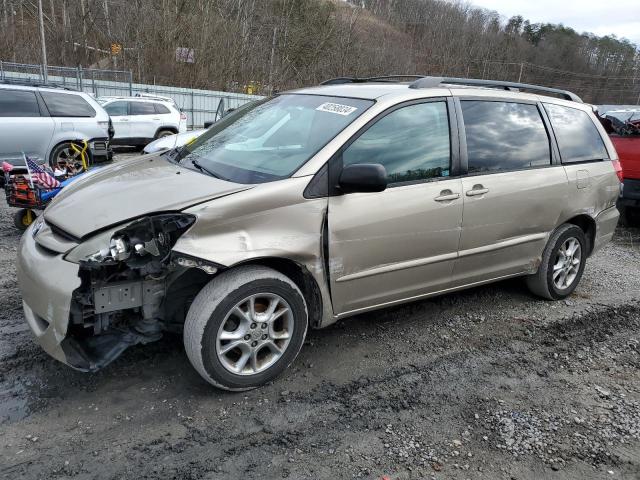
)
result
[(41, 122)]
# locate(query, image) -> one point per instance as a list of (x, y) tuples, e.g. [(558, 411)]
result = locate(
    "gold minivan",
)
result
[(315, 205)]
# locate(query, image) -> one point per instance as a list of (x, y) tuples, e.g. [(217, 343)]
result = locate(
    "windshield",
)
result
[(271, 139)]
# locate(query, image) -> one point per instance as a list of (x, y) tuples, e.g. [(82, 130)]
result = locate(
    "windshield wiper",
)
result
[(204, 169)]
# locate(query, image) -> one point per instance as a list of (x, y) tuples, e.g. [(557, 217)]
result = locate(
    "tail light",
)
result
[(618, 168), (183, 116)]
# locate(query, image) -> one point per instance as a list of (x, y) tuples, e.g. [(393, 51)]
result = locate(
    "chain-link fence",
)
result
[(200, 106)]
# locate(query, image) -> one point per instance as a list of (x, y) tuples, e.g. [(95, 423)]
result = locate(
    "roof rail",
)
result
[(28, 83), (383, 78), (430, 82)]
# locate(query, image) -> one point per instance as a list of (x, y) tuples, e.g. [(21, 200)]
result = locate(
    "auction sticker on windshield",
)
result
[(336, 108)]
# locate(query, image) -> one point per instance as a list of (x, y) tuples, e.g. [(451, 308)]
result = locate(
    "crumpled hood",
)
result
[(132, 188)]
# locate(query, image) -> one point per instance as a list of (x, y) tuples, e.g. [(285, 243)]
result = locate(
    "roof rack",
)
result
[(383, 78), (430, 82), (23, 82), (422, 81)]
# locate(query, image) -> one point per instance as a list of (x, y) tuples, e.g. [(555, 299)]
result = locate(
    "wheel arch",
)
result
[(303, 279), (588, 225), (172, 129), (59, 142)]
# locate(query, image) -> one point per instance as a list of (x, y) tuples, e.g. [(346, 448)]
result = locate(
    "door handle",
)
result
[(155, 119), (477, 189), (124, 120), (447, 196)]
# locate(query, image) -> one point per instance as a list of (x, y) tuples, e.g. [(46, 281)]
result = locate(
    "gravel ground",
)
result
[(490, 383)]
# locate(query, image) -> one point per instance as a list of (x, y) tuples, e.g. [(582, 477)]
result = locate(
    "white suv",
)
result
[(41, 121), (140, 120)]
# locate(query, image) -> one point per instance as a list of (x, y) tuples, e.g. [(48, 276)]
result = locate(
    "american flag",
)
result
[(43, 177)]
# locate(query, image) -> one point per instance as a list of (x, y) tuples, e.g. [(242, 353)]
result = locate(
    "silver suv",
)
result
[(41, 122), (316, 205)]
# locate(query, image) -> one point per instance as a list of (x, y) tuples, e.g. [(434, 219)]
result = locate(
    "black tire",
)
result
[(630, 217), (21, 218), (210, 308), (542, 283), (164, 133), (62, 149)]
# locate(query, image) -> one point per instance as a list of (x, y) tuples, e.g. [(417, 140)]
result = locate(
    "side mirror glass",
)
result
[(363, 177)]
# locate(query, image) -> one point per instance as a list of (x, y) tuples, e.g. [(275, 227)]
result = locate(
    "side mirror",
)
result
[(363, 177), (208, 123)]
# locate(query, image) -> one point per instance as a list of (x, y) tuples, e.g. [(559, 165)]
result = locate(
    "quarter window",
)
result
[(578, 138), (67, 105), (161, 109), (140, 108), (16, 103), (412, 143), (117, 109), (504, 136)]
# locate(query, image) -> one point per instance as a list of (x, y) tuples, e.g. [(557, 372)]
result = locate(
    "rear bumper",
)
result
[(606, 223), (630, 195), (46, 283)]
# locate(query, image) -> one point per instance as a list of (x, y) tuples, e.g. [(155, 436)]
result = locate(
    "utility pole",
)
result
[(105, 5), (520, 76), (44, 44)]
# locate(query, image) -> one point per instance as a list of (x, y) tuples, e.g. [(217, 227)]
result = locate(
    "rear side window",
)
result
[(504, 136), (141, 108), (117, 109), (161, 109), (67, 105), (17, 103), (411, 142), (578, 138)]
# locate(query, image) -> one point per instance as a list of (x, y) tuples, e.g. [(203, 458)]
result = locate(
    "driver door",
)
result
[(401, 243)]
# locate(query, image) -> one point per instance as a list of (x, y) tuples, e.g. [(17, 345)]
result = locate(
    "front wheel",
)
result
[(563, 262), (245, 327)]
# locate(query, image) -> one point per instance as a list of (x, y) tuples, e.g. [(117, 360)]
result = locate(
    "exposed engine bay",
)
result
[(132, 290)]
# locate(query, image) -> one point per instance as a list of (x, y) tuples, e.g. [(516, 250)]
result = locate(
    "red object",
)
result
[(628, 149), (183, 116), (6, 167), (43, 177)]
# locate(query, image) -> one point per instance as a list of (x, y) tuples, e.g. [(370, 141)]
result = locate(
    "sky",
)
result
[(602, 17)]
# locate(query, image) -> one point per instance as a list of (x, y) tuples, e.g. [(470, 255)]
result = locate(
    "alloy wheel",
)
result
[(567, 263), (254, 334)]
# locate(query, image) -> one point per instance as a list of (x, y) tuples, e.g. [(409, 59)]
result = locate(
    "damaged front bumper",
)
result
[(47, 283), (86, 314)]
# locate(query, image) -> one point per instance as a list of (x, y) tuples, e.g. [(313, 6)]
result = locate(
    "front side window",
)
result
[(578, 138), (412, 143), (117, 109), (67, 105), (141, 108), (504, 136), (271, 139), (17, 103)]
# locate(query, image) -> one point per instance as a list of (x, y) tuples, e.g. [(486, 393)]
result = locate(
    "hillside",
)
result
[(286, 43)]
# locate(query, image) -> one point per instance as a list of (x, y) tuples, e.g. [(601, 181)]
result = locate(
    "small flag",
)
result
[(6, 167), (40, 174)]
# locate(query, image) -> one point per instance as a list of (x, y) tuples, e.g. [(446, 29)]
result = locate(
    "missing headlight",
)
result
[(149, 238)]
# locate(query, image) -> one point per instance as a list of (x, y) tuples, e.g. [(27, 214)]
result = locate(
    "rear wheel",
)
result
[(164, 133), (23, 218), (245, 327), (64, 158), (563, 262)]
